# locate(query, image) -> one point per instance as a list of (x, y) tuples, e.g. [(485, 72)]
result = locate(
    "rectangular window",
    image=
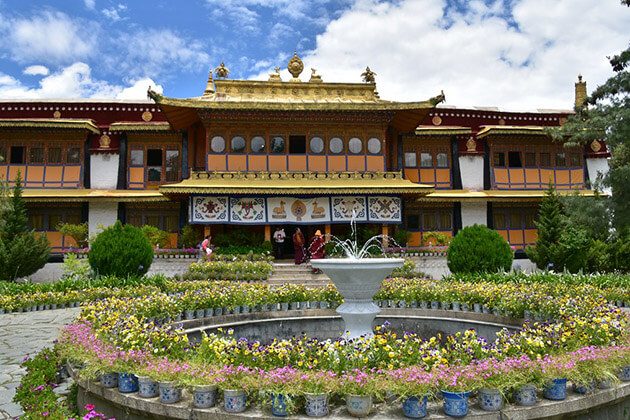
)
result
[(3, 154), (441, 160), (17, 154), (561, 160), (152, 220), (499, 220), (514, 160), (515, 220), (545, 160), (530, 160), (171, 223), (73, 155), (154, 165), (36, 155), (574, 160), (410, 160), (73, 218), (54, 220), (446, 220), (172, 165), (426, 160), (54, 155), (530, 219), (429, 222), (36, 221), (413, 222), (499, 159), (297, 145), (137, 157)]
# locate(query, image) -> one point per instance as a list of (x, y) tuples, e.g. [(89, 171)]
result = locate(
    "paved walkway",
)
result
[(22, 334)]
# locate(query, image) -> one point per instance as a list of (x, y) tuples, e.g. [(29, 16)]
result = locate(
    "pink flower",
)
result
[(89, 407)]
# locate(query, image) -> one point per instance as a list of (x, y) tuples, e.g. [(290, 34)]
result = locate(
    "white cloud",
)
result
[(48, 37), (90, 4), (139, 88), (482, 56), (113, 13), (36, 70)]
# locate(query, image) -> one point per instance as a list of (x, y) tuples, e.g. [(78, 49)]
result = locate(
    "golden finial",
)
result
[(209, 85), (295, 67), (275, 76), (368, 76), (315, 78), (222, 71)]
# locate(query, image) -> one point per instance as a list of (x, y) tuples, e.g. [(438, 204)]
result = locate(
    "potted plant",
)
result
[(456, 384), (202, 382), (413, 386), (359, 388), (316, 388), (278, 390), (235, 382)]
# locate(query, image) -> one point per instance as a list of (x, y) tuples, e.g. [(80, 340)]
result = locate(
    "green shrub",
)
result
[(266, 246), (435, 238), (157, 237), (240, 250), (242, 270), (78, 232), (478, 249), (121, 251), (407, 271), (619, 254), (238, 236), (190, 237), (75, 268), (401, 237)]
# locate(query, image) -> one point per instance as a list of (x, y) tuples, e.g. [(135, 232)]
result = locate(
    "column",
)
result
[(385, 239), (327, 232), (268, 233)]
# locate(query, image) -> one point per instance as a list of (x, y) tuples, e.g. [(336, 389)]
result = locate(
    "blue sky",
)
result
[(519, 54)]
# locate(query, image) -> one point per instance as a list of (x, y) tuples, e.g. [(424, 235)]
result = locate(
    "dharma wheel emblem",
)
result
[(295, 66), (222, 71), (104, 141), (596, 146), (471, 145), (147, 116)]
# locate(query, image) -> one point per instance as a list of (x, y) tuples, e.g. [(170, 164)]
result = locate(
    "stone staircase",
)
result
[(285, 272)]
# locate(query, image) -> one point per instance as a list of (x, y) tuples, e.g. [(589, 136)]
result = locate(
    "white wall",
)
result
[(474, 213), (104, 171), (597, 166), (101, 214), (471, 170)]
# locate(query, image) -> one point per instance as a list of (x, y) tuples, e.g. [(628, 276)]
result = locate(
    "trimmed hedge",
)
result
[(479, 249), (122, 251)]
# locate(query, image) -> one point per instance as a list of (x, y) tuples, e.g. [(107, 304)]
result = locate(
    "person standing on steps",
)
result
[(317, 249), (278, 239), (298, 246)]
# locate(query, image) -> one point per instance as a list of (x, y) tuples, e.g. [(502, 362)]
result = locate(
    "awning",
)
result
[(140, 126), (296, 183), (496, 195), (50, 123), (442, 131), (46, 195), (508, 130)]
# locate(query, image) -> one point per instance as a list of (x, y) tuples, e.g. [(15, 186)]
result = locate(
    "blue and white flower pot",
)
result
[(169, 393), (584, 388), (127, 382), (200, 313), (234, 400), (490, 399), (147, 387), (204, 396), (415, 407), (359, 405), (218, 311), (556, 390), (279, 405), (435, 305), (109, 380), (455, 403), (316, 405), (624, 374), (525, 395)]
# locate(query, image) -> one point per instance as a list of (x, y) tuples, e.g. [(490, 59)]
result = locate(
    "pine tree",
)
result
[(550, 224), (22, 251)]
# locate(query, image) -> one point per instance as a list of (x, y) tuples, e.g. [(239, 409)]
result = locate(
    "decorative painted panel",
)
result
[(247, 210), (342, 208), (209, 210), (298, 210), (384, 209)]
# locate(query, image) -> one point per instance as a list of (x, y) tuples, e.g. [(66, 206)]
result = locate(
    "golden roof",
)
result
[(82, 195), (284, 183), (56, 123), (498, 195), (140, 126), (429, 130), (489, 130)]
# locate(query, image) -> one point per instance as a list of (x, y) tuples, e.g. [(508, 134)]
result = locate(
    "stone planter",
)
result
[(127, 383), (169, 393), (147, 387), (455, 404), (359, 405), (316, 405), (234, 400), (490, 399), (624, 374), (415, 407), (279, 405), (204, 396), (109, 380), (525, 395), (556, 390)]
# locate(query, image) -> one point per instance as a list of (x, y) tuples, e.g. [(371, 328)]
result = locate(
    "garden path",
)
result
[(22, 334)]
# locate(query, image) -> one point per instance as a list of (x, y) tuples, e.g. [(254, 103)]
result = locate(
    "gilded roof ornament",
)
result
[(368, 76), (222, 71), (315, 78), (275, 76), (438, 99), (295, 67), (209, 85)]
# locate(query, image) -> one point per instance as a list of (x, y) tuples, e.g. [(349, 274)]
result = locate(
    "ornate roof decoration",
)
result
[(489, 130), (209, 85), (44, 123), (438, 99), (275, 76), (140, 126), (222, 71), (444, 130), (315, 78), (295, 67)]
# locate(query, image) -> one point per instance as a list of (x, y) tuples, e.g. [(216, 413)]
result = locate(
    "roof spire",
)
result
[(580, 93), (209, 85)]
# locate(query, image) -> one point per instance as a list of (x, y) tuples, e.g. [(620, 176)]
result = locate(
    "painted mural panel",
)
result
[(247, 210), (298, 210), (209, 210), (342, 208), (385, 209)]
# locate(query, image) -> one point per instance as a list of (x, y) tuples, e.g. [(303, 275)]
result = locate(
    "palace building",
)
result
[(314, 154)]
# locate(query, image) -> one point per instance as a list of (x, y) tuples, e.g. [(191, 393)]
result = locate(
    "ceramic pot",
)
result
[(204, 396), (234, 400), (413, 304), (415, 407), (316, 405), (323, 304), (435, 305), (525, 395), (402, 304), (208, 312), (169, 393), (127, 382), (284, 306), (445, 306), (218, 311), (477, 307), (313, 305), (236, 310), (624, 374), (189, 314), (584, 388), (490, 399), (294, 306), (465, 307), (455, 403), (424, 305), (606, 384), (359, 405), (147, 387), (279, 405), (109, 380), (245, 309), (456, 306), (556, 390)]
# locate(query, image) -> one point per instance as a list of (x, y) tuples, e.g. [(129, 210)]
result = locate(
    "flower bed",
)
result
[(237, 270)]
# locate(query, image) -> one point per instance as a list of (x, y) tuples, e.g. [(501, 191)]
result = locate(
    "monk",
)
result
[(317, 249), (298, 246)]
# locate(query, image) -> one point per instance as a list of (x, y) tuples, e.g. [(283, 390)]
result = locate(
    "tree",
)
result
[(122, 251), (479, 249), (592, 214), (22, 251), (550, 225)]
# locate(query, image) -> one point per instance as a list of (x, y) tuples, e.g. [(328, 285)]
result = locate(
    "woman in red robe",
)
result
[(298, 246)]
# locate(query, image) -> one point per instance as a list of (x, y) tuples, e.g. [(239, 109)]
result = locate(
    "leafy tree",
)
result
[(78, 232), (479, 249), (22, 251), (591, 214)]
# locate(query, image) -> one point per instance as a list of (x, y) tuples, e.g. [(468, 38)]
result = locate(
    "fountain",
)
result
[(358, 279)]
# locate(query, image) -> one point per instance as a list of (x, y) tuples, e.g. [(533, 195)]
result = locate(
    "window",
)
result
[(17, 154), (238, 144), (441, 160), (410, 160), (54, 155), (413, 222), (515, 220), (355, 145), (561, 159), (530, 219), (514, 160), (54, 220), (446, 220), (530, 159), (426, 160), (154, 165), (499, 159), (3, 154), (374, 146), (36, 221), (36, 155), (499, 221), (73, 155), (545, 160), (217, 144), (297, 145), (336, 145), (172, 165), (429, 222), (137, 157), (574, 160), (317, 145), (258, 144), (277, 144)]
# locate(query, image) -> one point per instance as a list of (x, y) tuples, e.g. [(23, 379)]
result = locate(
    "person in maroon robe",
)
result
[(298, 246), (317, 249)]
